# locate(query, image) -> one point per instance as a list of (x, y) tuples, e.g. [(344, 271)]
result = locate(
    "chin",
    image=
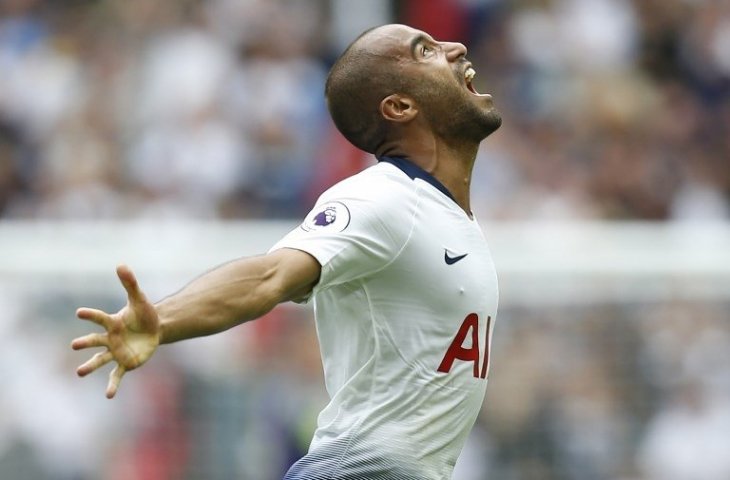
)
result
[(480, 123), (463, 116), (492, 121)]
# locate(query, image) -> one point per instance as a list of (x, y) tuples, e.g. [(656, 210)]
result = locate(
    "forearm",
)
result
[(231, 294)]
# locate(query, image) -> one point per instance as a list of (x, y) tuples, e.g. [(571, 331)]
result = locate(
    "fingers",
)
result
[(115, 377), (90, 340), (97, 316), (98, 360), (143, 310), (129, 282)]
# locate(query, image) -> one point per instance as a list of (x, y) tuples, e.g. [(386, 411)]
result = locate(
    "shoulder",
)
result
[(379, 199), (381, 185)]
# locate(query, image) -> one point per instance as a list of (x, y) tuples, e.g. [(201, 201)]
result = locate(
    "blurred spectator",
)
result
[(214, 109), (127, 109), (668, 454), (685, 348)]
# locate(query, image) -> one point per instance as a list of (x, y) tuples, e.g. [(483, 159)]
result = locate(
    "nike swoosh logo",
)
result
[(452, 260)]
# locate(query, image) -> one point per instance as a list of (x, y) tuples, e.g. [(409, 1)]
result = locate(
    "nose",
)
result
[(454, 50)]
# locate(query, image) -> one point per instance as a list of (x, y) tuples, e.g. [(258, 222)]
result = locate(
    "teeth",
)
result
[(469, 74)]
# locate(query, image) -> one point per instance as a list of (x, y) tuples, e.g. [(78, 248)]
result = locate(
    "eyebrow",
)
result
[(415, 42)]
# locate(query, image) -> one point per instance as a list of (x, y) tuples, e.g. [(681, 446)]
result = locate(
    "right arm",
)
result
[(222, 298), (235, 293)]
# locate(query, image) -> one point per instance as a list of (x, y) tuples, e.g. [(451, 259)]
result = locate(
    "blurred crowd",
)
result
[(125, 109), (637, 391), (195, 109)]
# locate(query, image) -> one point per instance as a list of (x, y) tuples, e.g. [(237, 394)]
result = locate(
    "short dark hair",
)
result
[(357, 83)]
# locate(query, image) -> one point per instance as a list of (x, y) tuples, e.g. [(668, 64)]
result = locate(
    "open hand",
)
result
[(132, 334)]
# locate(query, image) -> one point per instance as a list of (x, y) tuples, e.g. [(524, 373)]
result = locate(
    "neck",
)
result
[(450, 165)]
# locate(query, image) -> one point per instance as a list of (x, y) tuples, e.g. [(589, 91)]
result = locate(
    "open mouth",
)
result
[(469, 75)]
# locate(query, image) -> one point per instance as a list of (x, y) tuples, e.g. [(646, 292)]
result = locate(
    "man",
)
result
[(404, 288)]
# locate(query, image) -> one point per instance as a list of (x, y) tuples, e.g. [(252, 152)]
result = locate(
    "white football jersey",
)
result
[(404, 310)]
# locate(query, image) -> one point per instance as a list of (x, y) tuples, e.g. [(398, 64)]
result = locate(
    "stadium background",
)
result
[(176, 134)]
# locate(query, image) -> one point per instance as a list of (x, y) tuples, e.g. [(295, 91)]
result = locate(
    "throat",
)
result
[(457, 182), (460, 194)]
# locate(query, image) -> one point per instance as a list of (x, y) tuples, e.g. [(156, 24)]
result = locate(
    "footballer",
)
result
[(393, 260)]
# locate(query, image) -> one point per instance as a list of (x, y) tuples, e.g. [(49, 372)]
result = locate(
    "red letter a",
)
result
[(456, 351)]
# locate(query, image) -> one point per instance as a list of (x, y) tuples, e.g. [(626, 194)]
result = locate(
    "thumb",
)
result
[(115, 377)]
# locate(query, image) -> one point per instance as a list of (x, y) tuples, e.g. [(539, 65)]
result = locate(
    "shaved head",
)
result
[(398, 59), (363, 75)]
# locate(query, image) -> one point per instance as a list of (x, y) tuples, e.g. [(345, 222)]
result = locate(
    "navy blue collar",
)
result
[(414, 171)]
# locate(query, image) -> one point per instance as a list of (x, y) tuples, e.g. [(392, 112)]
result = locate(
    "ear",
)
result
[(398, 108)]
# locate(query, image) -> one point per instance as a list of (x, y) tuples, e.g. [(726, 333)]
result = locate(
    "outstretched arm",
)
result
[(231, 294)]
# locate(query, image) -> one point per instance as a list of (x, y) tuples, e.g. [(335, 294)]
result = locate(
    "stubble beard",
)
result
[(456, 117)]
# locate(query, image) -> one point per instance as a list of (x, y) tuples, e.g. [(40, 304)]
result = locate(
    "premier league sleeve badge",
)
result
[(331, 216)]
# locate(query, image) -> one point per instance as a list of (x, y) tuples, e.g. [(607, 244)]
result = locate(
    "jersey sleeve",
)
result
[(351, 237)]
